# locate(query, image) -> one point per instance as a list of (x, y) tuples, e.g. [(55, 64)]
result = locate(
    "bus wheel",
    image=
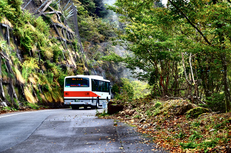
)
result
[(75, 107), (97, 103)]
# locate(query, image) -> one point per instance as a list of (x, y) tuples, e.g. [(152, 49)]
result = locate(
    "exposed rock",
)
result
[(154, 124), (3, 104), (145, 127), (114, 108), (211, 130), (129, 112), (195, 112), (122, 113), (183, 109), (142, 120)]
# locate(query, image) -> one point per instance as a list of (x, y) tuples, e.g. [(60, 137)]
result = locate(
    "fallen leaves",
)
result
[(210, 132)]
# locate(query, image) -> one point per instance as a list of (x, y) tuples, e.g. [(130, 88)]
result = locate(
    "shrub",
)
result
[(216, 102)]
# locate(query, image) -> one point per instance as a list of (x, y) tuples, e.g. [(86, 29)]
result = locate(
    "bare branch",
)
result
[(185, 73), (206, 40), (190, 63)]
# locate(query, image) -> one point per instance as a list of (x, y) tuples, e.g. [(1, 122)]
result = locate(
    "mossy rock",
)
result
[(182, 109), (195, 112), (177, 107)]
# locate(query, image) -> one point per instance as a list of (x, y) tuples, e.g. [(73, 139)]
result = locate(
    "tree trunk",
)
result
[(226, 84)]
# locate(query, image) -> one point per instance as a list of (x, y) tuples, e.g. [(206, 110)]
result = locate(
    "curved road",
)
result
[(66, 131)]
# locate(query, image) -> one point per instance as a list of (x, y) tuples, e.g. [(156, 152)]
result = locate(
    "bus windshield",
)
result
[(77, 82)]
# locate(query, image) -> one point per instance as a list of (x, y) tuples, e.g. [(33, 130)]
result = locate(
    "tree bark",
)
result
[(226, 84)]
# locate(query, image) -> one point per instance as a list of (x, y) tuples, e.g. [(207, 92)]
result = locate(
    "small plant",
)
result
[(180, 135), (33, 106), (137, 116), (126, 116), (196, 124), (195, 135), (208, 144), (103, 114), (191, 145), (149, 113), (7, 108), (157, 111), (158, 104)]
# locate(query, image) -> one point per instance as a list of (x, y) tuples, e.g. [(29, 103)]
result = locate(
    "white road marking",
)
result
[(20, 113)]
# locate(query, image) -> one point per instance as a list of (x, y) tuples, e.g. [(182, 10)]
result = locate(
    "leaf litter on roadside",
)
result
[(171, 127)]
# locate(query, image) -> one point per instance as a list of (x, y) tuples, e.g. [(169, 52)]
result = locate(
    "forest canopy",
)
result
[(183, 49)]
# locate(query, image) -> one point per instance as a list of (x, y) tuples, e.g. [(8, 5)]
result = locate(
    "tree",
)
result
[(188, 36)]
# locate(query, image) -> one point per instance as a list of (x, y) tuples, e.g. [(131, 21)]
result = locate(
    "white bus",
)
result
[(86, 90)]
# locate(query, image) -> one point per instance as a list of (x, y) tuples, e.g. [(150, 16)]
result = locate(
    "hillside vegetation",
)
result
[(176, 125), (182, 49), (40, 44)]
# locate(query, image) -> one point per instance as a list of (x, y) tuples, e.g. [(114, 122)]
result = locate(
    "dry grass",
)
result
[(7, 22), (29, 96), (32, 80), (48, 97), (48, 53), (43, 97), (19, 76), (53, 32)]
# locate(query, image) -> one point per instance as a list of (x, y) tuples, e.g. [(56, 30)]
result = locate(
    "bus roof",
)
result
[(88, 76)]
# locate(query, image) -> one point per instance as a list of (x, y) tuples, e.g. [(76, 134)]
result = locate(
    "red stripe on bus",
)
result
[(80, 94)]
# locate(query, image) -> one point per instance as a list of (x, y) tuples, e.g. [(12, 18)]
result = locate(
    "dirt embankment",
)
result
[(178, 125)]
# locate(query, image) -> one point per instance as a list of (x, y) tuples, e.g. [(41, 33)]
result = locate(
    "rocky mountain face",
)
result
[(37, 50), (42, 41)]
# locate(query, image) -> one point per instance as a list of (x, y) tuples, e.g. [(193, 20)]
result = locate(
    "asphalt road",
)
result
[(67, 131)]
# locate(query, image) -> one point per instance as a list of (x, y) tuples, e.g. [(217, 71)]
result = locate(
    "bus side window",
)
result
[(103, 86), (95, 85), (107, 86), (100, 86)]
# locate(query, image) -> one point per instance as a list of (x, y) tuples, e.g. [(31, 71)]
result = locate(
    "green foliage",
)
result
[(115, 88), (191, 145), (6, 10), (7, 108), (4, 69), (33, 106), (141, 89), (38, 96), (54, 5), (216, 102), (127, 90), (195, 112), (196, 124), (209, 144), (113, 57), (137, 116), (156, 112), (160, 38), (61, 79), (130, 90), (195, 135), (94, 7), (158, 104), (57, 53), (103, 114), (28, 67), (181, 135), (42, 26)]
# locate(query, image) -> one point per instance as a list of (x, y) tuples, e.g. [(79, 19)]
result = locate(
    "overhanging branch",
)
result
[(206, 40)]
